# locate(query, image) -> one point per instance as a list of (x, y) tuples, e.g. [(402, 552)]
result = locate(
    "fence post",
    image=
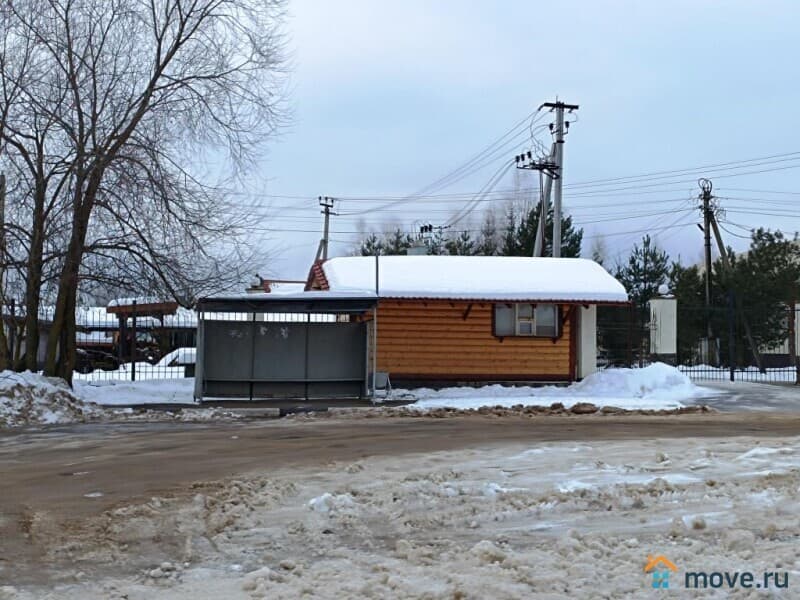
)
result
[(631, 316), (731, 335), (12, 334), (133, 342), (793, 340)]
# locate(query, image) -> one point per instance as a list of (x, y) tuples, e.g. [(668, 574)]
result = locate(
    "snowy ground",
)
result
[(655, 387), (126, 393), (144, 372), (29, 399), (559, 520)]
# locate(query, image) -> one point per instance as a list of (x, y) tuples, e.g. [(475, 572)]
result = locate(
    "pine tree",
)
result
[(489, 240), (372, 245), (521, 237), (647, 269), (509, 246), (461, 245), (436, 243), (599, 250)]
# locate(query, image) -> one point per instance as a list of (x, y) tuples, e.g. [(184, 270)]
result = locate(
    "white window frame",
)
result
[(521, 322)]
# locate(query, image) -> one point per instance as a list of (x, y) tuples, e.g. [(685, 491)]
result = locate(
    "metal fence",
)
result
[(136, 347), (756, 344), (739, 343)]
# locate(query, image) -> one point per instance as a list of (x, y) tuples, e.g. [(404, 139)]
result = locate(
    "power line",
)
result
[(686, 171)]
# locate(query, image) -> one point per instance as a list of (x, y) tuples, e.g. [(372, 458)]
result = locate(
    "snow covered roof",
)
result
[(299, 302), (286, 287), (475, 278)]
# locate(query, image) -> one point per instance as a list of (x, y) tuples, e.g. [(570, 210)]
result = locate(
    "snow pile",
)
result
[(31, 399), (123, 393), (658, 386), (658, 381), (328, 502)]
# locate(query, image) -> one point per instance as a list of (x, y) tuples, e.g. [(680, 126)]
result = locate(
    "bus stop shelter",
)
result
[(306, 345)]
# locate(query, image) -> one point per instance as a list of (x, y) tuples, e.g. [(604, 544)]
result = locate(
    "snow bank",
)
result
[(121, 393), (658, 386), (31, 399)]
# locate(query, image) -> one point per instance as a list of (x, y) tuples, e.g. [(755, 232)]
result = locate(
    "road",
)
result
[(53, 469), (57, 481), (742, 396)]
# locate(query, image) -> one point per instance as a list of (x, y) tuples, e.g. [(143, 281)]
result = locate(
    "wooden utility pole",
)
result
[(705, 186), (326, 203)]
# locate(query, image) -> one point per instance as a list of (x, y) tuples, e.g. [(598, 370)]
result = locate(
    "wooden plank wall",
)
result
[(432, 339)]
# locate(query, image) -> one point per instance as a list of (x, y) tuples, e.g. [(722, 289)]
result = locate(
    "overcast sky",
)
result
[(389, 96)]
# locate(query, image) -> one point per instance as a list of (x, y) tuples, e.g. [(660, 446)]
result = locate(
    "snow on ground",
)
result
[(550, 520), (119, 392), (31, 399), (28, 399), (657, 386), (144, 371)]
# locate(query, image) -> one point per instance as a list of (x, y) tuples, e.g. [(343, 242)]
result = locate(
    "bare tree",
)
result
[(130, 97)]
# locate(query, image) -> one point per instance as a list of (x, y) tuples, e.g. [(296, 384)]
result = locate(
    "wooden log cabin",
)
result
[(447, 319)]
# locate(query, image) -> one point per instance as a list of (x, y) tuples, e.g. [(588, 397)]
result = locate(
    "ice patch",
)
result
[(759, 452)]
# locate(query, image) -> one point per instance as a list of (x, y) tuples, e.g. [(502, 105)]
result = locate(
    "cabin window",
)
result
[(526, 320)]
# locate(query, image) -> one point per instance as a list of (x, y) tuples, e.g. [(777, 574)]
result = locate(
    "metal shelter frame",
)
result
[(256, 357)]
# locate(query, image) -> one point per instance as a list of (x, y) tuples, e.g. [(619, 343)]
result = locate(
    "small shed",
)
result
[(451, 319), (268, 346)]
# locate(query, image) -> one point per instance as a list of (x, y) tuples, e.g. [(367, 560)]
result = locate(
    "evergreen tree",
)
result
[(599, 250), (392, 243), (372, 245), (509, 245), (688, 287), (489, 240), (521, 236), (436, 243), (461, 245), (766, 282), (647, 269)]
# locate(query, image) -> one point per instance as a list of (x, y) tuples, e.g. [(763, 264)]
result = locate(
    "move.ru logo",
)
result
[(660, 566)]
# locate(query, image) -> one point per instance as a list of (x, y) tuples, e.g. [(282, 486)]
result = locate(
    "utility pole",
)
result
[(544, 208), (553, 166), (546, 167), (705, 195), (561, 129), (326, 202)]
